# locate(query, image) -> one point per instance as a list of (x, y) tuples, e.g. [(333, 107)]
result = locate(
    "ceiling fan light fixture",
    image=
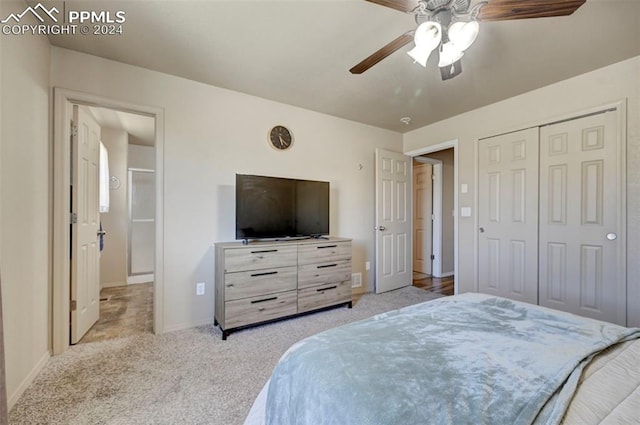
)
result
[(427, 38), (428, 35), (419, 55), (449, 54), (463, 34)]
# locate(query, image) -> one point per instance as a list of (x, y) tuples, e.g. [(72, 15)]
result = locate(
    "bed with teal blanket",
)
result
[(467, 359)]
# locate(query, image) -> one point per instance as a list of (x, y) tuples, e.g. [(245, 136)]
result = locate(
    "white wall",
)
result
[(24, 212), (113, 259), (213, 133), (600, 87)]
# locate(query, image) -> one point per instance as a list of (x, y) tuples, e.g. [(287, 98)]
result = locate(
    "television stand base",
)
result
[(292, 238)]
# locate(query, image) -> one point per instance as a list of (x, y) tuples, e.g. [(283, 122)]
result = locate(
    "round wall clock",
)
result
[(280, 137)]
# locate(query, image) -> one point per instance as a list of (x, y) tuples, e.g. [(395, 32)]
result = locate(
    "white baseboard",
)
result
[(359, 290), (182, 326), (140, 278), (444, 274), (13, 398), (112, 284)]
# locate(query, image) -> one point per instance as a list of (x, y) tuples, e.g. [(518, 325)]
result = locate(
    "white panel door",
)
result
[(508, 216), (85, 249), (581, 228), (393, 221), (422, 217)]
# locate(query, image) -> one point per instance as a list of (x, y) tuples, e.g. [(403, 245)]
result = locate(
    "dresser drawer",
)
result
[(321, 273), (258, 282), (256, 258), (324, 252), (259, 309), (323, 296)]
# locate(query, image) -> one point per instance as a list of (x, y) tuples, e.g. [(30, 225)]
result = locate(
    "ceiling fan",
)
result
[(451, 26)]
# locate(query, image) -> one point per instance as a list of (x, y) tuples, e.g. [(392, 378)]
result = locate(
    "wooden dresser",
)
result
[(261, 282)]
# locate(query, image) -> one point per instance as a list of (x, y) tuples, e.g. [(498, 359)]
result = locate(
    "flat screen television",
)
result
[(275, 207)]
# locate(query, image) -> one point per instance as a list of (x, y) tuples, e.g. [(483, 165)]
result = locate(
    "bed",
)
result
[(466, 359)]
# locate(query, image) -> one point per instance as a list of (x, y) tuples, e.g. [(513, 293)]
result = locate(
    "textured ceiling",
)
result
[(299, 53)]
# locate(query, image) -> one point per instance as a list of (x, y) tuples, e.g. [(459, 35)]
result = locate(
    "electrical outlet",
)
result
[(367, 265), (200, 288)]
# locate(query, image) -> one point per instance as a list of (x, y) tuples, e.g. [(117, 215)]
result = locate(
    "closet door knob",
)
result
[(612, 236)]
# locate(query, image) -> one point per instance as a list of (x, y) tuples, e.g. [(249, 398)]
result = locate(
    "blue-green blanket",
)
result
[(468, 359)]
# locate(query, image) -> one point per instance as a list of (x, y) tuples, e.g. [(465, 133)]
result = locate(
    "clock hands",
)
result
[(280, 137)]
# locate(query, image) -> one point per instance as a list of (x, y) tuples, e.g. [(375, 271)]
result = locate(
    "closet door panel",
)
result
[(581, 230), (508, 216)]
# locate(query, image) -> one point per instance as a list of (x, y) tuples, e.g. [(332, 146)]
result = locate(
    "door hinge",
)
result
[(74, 130), (74, 305), (433, 217), (433, 257), (74, 218)]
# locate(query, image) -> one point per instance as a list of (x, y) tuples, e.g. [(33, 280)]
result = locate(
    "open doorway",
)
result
[(127, 223), (114, 117), (434, 228)]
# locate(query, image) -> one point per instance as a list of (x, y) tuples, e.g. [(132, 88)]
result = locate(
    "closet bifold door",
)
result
[(582, 234), (508, 215)]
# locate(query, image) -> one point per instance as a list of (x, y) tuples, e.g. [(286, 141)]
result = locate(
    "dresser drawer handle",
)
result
[(327, 246), (264, 251), (326, 266), (266, 299), (326, 289), (263, 274)]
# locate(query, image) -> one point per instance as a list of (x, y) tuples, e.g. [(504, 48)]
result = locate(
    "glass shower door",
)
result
[(142, 222)]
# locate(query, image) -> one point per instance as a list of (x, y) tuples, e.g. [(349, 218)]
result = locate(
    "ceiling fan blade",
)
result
[(401, 5), (502, 10), (382, 53)]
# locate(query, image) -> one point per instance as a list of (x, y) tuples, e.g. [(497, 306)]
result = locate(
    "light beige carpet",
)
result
[(186, 377)]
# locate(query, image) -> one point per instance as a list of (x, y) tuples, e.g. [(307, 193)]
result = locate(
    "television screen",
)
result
[(273, 207)]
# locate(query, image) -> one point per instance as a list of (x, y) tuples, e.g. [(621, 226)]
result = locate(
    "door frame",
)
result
[(61, 244), (436, 148)]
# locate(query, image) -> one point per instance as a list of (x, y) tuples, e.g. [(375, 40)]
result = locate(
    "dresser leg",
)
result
[(215, 322), (350, 304), (224, 335)]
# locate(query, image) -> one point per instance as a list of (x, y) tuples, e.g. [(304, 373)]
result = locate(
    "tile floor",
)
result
[(124, 310)]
